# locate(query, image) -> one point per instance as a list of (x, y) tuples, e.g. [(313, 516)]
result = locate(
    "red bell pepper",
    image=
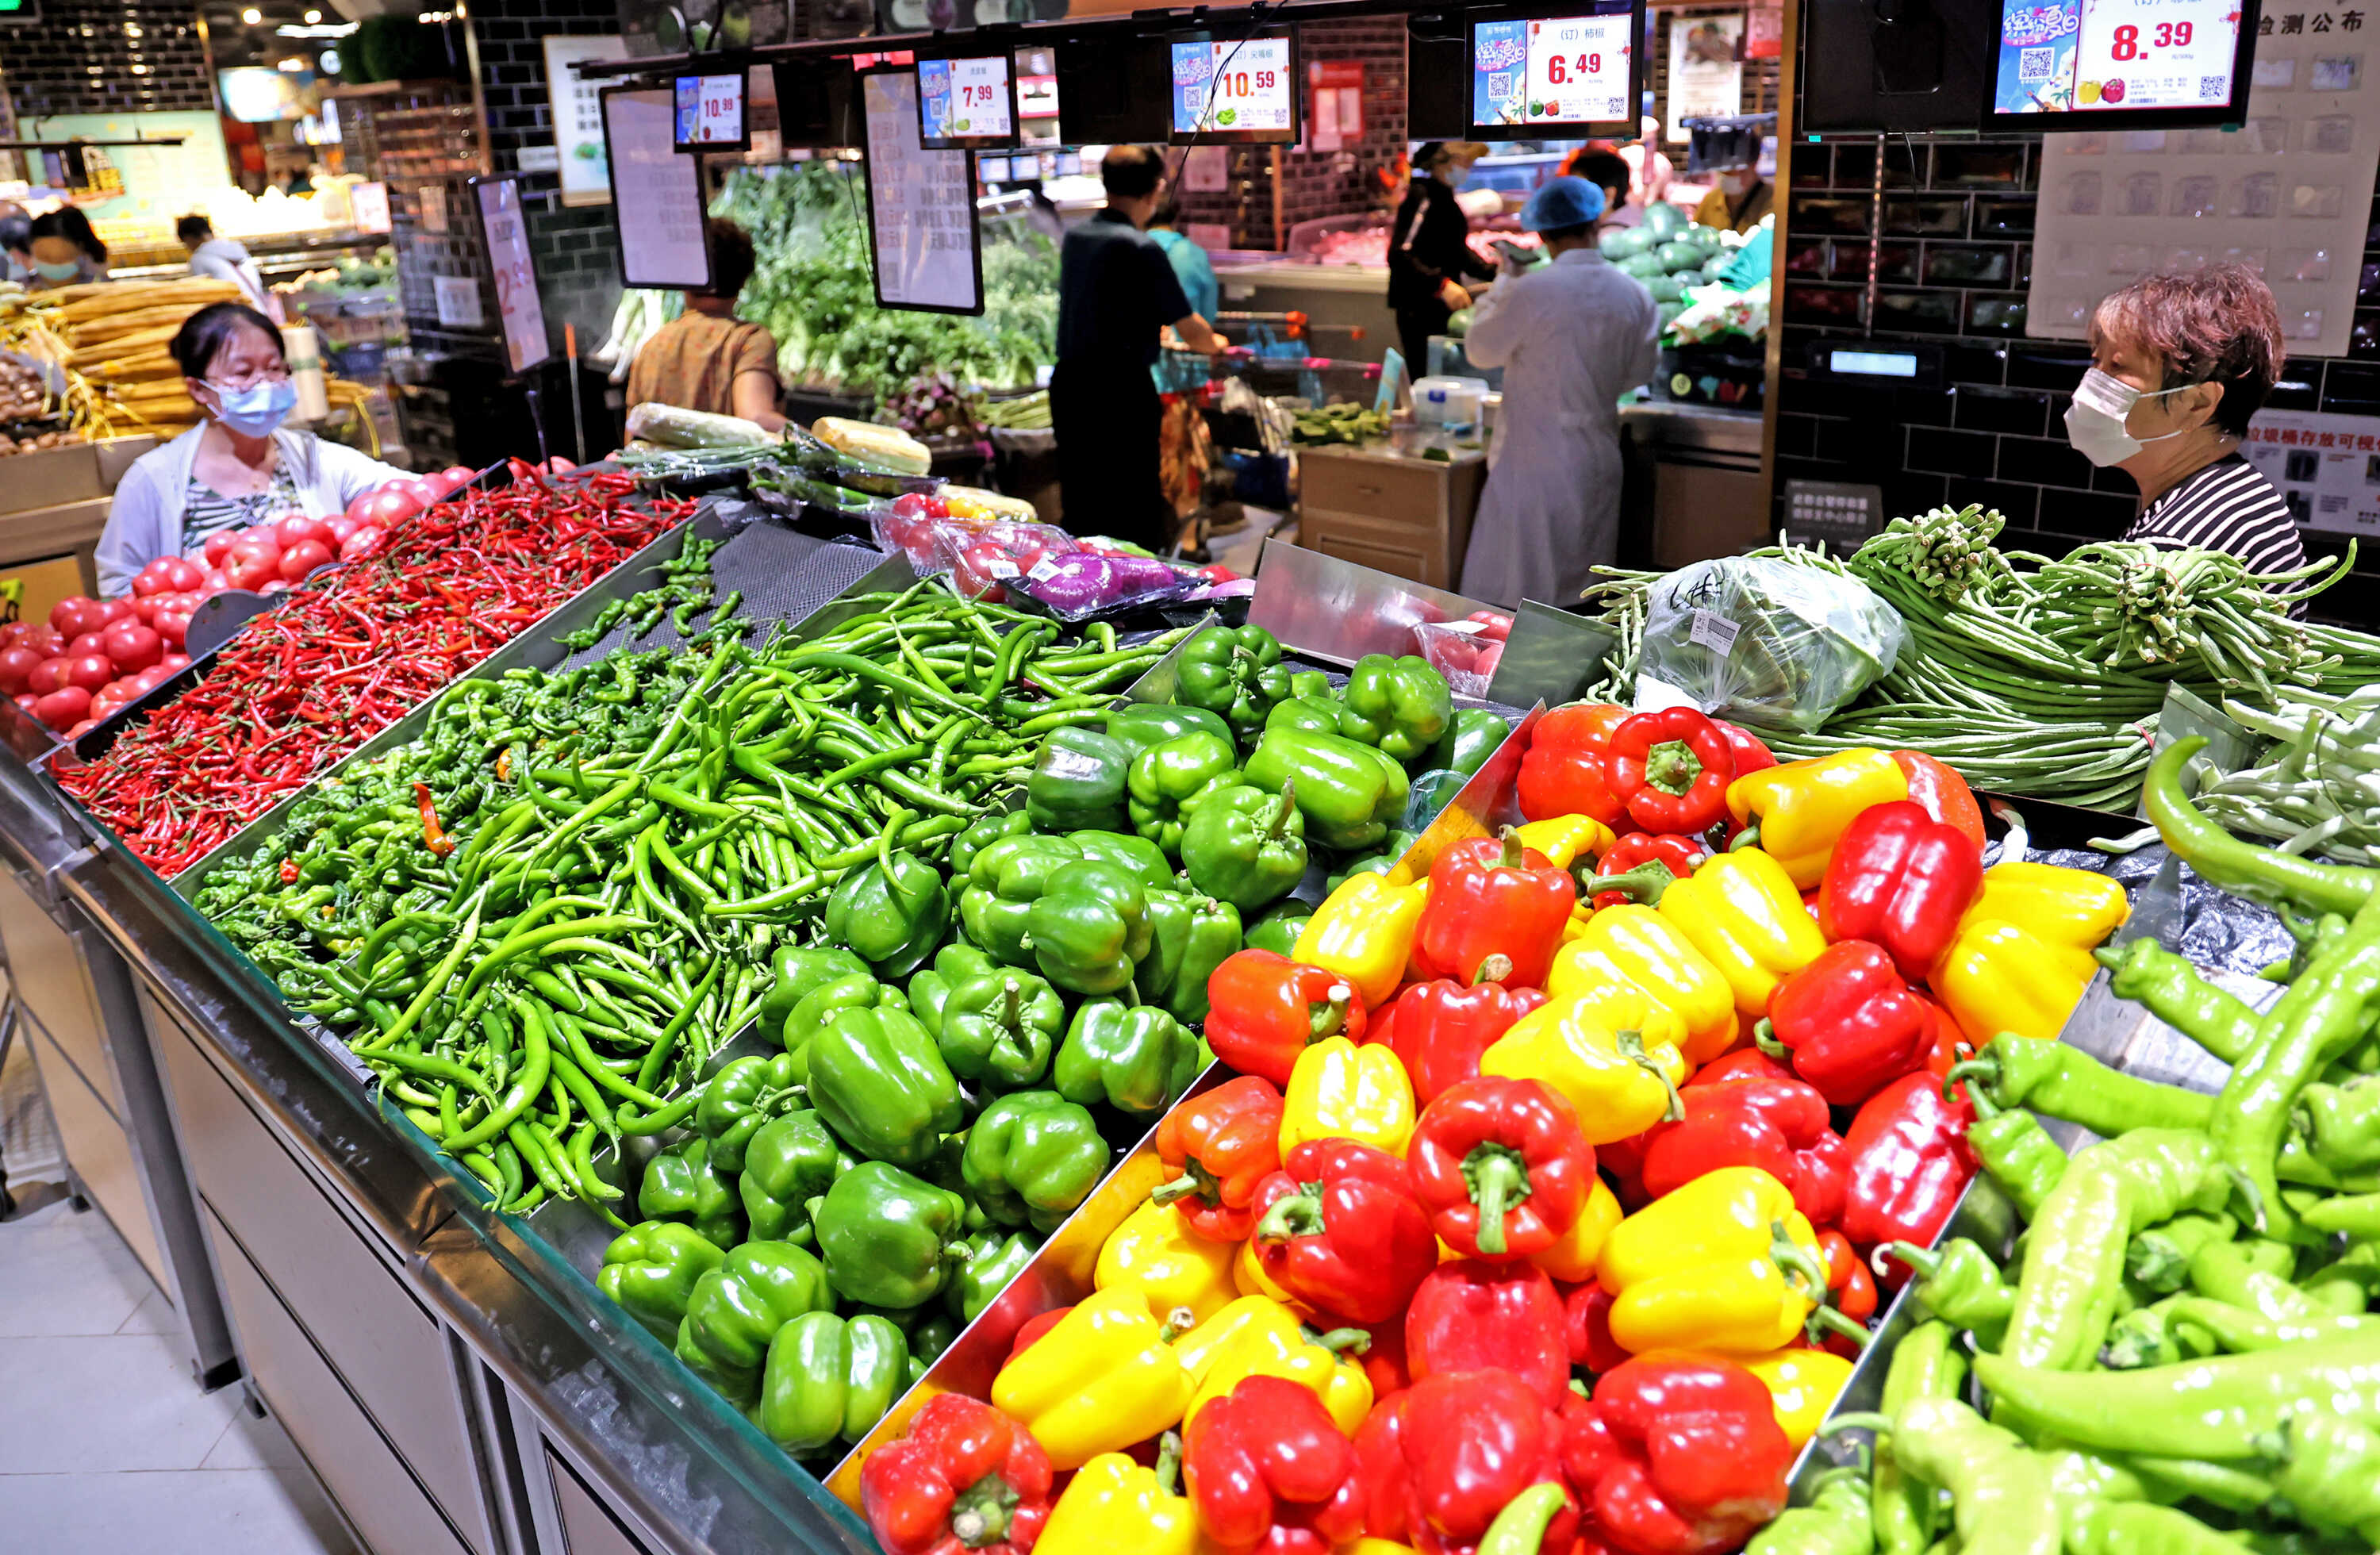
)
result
[(1586, 1313), (1671, 770), (1743, 1064), (1677, 1454), (1567, 770), (1030, 1334), (1266, 1468), (1943, 792), (1780, 1126), (1381, 1464), (966, 1477), (1751, 753), (1339, 1229), (1495, 914), (1266, 1009), (1384, 1358), (1501, 1166), (1675, 853), (1851, 1292), (1849, 1025), (1480, 1438), (1468, 1316), (1902, 880), (1223, 1144), (1439, 1030), (1909, 1163)]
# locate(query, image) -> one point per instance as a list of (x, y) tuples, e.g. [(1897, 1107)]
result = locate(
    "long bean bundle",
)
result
[(536, 921)]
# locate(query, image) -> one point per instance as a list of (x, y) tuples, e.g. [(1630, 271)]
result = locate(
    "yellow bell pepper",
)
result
[(1745, 915), (1255, 1337), (1800, 809), (1370, 1545), (1565, 839), (2003, 977), (1103, 1379), (1573, 1257), (1645, 976), (1113, 1504), (1802, 1385), (1724, 1263), (2065, 906), (1363, 931), (1620, 1081), (1154, 1251), (1341, 1091), (1249, 1279)]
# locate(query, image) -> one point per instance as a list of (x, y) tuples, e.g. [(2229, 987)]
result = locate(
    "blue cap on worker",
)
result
[(1562, 203)]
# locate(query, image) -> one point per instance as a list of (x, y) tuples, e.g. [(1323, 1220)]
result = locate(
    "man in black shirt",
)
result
[(1116, 290)]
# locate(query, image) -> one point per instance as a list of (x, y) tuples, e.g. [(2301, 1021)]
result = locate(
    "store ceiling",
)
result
[(239, 42)]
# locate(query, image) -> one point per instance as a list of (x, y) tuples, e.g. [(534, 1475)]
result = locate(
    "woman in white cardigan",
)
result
[(240, 466)]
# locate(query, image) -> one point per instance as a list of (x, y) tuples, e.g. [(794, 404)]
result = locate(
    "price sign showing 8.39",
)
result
[(1578, 69), (2155, 53)]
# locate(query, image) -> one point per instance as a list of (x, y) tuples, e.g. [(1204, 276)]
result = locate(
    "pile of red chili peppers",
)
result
[(304, 685)]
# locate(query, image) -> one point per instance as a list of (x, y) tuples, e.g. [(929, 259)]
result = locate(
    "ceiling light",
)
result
[(313, 17), (252, 16)]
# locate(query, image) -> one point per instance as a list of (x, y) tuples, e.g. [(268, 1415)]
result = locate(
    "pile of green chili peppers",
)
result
[(536, 922), (2185, 1357)]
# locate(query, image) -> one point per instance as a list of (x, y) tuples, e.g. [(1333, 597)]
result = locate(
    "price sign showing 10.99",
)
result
[(1578, 69)]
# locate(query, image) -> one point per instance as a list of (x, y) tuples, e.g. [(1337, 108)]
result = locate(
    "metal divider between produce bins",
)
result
[(1339, 612)]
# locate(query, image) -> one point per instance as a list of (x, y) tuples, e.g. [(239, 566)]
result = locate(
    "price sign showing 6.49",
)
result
[(2155, 53), (1252, 86), (1578, 69)]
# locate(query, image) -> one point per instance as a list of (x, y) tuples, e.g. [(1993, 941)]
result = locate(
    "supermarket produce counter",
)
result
[(1345, 305), (1692, 483)]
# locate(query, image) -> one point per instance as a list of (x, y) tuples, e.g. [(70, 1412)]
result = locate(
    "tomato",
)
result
[(557, 465), (183, 574), (40, 639), (89, 643), (420, 489), (456, 477), (390, 504), (89, 670), (218, 545), (11, 631), (303, 558), (151, 581), (64, 708), (47, 675), (113, 611), (252, 564), (16, 664), (103, 707), (134, 647), (341, 527), (937, 508), (216, 582), (981, 571), (295, 531), (174, 628), (363, 542), (174, 663), (909, 505), (79, 730), (74, 615)]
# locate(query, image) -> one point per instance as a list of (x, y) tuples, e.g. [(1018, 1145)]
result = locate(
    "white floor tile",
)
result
[(64, 1273), (249, 1442), (120, 1402), (154, 1315), (256, 1512)]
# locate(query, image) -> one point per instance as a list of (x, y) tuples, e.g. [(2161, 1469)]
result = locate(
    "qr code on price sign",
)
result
[(1499, 83), (2034, 64), (2214, 89)]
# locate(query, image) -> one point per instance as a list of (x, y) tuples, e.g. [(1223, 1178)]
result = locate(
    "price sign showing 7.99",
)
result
[(1578, 69)]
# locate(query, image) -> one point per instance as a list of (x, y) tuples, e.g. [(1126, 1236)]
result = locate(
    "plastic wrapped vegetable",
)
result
[(1086, 583), (1765, 642)]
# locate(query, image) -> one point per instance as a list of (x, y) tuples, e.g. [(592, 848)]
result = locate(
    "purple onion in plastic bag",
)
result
[(1087, 584)]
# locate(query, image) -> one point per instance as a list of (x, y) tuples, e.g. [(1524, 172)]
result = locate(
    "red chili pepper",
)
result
[(289, 871), (433, 836), (1671, 770)]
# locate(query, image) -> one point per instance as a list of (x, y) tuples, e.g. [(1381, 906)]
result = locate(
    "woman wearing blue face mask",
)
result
[(2179, 363), (240, 466), (66, 253)]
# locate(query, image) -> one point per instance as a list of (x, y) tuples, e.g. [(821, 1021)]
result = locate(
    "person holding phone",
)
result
[(1429, 252)]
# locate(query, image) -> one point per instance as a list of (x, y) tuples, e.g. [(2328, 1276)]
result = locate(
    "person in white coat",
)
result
[(1571, 337)]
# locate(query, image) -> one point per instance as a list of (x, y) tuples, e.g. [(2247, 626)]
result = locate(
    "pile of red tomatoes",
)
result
[(90, 659)]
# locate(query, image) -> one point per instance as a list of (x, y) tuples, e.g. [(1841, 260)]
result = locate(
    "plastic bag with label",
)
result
[(1765, 642)]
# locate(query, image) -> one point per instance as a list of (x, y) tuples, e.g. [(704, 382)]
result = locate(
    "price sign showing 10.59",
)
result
[(2155, 53), (1578, 69), (1245, 87)]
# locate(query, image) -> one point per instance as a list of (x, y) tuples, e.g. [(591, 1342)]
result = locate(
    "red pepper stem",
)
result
[(1644, 883), (980, 1515), (1515, 854), (1342, 1341), (1169, 1462), (1795, 1261), (1827, 1319), (1494, 969), (1925, 1260), (1498, 1179), (1196, 1180), (1764, 1036), (1280, 822), (1327, 1020), (1298, 1214), (1672, 767), (1631, 1047)]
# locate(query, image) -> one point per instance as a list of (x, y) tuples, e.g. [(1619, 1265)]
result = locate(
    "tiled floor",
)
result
[(105, 1443)]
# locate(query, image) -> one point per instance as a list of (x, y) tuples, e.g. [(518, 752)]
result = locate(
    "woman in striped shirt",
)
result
[(2178, 365)]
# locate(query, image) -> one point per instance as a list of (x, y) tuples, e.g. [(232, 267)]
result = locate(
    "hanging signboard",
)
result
[(578, 104), (662, 245), (921, 219), (518, 307), (1705, 70), (2325, 466)]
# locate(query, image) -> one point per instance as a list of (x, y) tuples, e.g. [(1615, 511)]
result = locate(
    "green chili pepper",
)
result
[(2262, 874), (1927, 1365), (2147, 973), (2105, 1527), (2001, 1490), (2063, 1081), (1961, 1284), (2018, 1152), (1838, 1520), (2159, 1257)]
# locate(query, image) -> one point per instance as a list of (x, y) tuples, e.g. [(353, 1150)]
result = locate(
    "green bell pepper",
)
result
[(892, 912), (1315, 715), (1347, 792), (988, 1261), (652, 1269), (1127, 850), (1000, 1027), (1392, 848), (745, 1093), (737, 1309), (792, 1160), (1189, 936), (1167, 780), (1138, 1058), (930, 987), (1078, 783), (681, 1185), (1469, 740), (1400, 705), (794, 970), (1236, 672), (1003, 884), (830, 1379), (1278, 929), (1142, 725), (1311, 682), (930, 1335), (881, 1083), (886, 1235), (983, 834), (1246, 847), (821, 1005), (1089, 927), (1032, 1158)]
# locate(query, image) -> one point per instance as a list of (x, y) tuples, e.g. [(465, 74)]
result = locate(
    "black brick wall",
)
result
[(82, 58)]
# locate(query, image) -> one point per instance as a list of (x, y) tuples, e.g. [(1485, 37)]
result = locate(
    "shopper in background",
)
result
[(16, 243), (1649, 171), (2178, 365), (1739, 202), (705, 358), (1571, 337), (1189, 260), (237, 467), (1116, 292), (223, 258), (1430, 249), (1184, 449), (1600, 164), (65, 250)]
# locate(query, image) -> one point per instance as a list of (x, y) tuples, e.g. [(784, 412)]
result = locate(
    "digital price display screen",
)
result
[(2115, 62), (710, 114), (967, 104), (1574, 74), (1241, 90)]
